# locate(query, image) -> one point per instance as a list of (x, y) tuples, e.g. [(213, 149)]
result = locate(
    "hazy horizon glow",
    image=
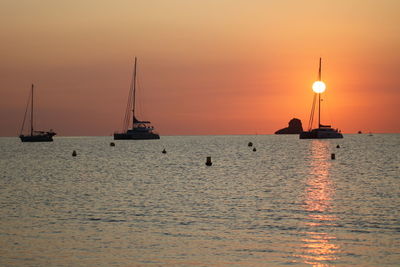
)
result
[(205, 67)]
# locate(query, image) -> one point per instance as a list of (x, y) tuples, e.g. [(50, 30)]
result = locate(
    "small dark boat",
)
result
[(35, 136), (141, 130), (323, 131)]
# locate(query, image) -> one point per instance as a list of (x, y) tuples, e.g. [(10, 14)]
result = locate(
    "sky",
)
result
[(204, 67)]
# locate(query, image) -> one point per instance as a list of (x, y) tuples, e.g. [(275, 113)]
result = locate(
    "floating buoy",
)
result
[(208, 161), (337, 146), (333, 156), (74, 153), (112, 144), (164, 151), (254, 149), (250, 144)]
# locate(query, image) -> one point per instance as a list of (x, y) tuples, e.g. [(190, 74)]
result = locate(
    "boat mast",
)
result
[(32, 111), (319, 96), (134, 92)]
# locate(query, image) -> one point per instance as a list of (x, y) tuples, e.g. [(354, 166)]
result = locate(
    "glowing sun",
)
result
[(319, 87)]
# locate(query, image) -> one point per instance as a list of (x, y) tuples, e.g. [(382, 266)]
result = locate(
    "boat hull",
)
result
[(136, 136), (37, 138), (316, 134)]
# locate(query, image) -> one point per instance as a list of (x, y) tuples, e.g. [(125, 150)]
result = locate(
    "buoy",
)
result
[(337, 146), (254, 149), (333, 156), (112, 144), (208, 162), (74, 153), (164, 151), (250, 144)]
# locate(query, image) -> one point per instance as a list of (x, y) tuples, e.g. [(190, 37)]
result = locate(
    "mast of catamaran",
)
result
[(32, 111), (134, 94), (319, 96)]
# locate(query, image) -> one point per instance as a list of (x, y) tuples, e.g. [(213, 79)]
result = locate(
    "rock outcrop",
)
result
[(295, 127)]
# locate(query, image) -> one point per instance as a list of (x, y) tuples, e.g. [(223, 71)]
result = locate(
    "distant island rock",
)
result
[(295, 127)]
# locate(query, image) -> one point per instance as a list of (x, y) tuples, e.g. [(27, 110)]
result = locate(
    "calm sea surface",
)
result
[(287, 203)]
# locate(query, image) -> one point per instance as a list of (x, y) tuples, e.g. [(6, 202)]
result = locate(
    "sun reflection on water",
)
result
[(318, 248)]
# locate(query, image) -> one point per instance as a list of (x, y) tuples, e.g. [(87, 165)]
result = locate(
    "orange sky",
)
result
[(205, 67)]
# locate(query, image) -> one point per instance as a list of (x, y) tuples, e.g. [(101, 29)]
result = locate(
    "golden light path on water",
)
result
[(318, 248)]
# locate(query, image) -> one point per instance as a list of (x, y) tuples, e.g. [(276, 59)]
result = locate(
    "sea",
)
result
[(288, 203)]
